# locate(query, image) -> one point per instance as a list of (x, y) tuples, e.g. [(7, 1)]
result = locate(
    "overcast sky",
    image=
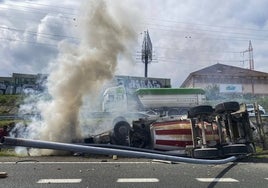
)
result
[(186, 35)]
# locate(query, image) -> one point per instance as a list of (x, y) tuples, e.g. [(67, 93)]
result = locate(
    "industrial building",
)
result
[(229, 79), (18, 82)]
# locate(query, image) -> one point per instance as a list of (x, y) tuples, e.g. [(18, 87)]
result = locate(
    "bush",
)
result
[(10, 100)]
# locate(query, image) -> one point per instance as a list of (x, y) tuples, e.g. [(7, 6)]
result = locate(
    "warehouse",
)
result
[(229, 79)]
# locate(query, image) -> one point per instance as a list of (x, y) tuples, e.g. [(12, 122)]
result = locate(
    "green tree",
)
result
[(212, 92)]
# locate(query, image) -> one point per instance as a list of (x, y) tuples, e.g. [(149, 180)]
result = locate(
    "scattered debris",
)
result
[(27, 160), (3, 174), (163, 161)]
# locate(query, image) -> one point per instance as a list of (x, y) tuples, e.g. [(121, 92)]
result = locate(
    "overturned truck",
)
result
[(206, 132), (222, 133)]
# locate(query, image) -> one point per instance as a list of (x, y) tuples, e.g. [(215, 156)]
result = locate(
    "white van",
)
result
[(250, 109)]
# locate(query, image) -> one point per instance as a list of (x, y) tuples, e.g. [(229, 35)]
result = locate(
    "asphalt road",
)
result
[(85, 172)]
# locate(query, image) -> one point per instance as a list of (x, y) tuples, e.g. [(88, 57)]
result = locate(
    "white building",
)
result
[(229, 79)]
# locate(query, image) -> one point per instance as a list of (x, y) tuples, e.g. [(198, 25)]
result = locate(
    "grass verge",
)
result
[(260, 153), (8, 153)]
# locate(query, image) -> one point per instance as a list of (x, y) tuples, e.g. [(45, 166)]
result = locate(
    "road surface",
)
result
[(69, 171)]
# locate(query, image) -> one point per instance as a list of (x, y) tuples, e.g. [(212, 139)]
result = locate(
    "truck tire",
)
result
[(235, 149), (200, 110), (118, 119), (183, 111), (139, 139), (227, 107), (206, 153), (173, 112), (120, 132)]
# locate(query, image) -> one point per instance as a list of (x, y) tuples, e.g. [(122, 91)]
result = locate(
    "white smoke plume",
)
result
[(79, 71)]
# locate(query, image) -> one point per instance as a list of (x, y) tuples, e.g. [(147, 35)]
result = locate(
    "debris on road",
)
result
[(3, 174)]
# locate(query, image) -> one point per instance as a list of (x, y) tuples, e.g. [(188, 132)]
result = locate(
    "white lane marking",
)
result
[(137, 180), (217, 180), (59, 181)]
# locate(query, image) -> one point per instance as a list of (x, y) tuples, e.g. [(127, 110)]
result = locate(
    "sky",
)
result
[(186, 35)]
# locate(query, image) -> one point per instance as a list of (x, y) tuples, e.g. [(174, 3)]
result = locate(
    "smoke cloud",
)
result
[(80, 71)]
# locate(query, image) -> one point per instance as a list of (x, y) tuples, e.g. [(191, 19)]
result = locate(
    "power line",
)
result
[(208, 35), (207, 25), (47, 35), (202, 51), (220, 33), (36, 12), (224, 32), (29, 42), (46, 5), (202, 60)]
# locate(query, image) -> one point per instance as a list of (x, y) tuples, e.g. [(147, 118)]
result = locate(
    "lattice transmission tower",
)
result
[(250, 56)]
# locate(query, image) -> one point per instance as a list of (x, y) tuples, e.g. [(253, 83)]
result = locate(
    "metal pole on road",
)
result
[(108, 151)]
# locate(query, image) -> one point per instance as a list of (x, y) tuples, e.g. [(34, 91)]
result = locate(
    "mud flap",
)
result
[(206, 153), (236, 149)]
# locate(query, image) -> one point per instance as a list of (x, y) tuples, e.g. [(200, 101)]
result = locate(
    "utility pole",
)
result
[(250, 61), (250, 56), (147, 50)]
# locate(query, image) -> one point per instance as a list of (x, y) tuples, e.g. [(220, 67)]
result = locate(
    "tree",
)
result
[(212, 92)]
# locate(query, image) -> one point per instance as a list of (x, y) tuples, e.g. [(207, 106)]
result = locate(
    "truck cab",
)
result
[(114, 99)]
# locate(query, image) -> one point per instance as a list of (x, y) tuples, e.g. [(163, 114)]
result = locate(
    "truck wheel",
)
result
[(121, 130), (173, 112), (200, 110), (236, 149), (139, 139), (227, 107), (206, 153), (118, 119), (183, 111)]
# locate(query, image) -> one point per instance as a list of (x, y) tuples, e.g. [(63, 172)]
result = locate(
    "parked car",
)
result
[(250, 109)]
